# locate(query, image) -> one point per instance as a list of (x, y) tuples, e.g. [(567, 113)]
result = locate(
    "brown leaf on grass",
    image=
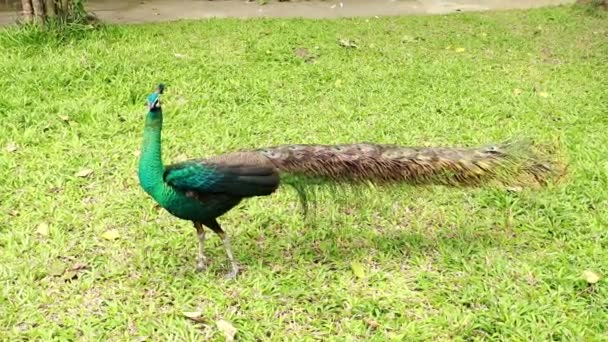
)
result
[(371, 323), (305, 54), (74, 271), (11, 147), (227, 328), (78, 266), (55, 190), (84, 173), (195, 316)]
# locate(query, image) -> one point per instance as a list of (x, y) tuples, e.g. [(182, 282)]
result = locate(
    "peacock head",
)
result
[(154, 98)]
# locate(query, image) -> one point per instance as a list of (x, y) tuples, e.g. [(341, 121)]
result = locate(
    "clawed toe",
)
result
[(201, 265), (232, 274)]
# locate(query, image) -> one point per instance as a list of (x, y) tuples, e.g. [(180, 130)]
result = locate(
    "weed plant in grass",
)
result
[(86, 255)]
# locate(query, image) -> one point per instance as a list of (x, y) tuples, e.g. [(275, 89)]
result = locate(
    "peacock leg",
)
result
[(227, 247), (201, 259)]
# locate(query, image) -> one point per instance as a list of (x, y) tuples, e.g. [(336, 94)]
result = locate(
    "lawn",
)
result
[(86, 255)]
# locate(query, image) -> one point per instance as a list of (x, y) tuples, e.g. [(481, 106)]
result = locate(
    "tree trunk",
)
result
[(594, 3), (27, 10), (51, 11), (39, 14), (40, 11), (65, 7)]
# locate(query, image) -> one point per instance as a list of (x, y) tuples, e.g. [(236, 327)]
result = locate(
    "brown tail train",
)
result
[(378, 163)]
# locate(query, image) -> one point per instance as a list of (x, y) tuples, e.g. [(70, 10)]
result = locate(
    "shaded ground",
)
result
[(135, 11)]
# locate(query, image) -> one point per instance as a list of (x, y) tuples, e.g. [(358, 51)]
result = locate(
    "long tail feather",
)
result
[(377, 163)]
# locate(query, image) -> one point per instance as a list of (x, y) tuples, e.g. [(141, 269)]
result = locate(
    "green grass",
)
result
[(440, 264)]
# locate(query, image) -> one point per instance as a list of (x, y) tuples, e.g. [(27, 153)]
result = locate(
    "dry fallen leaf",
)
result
[(64, 117), (347, 43), (43, 229), (305, 54), (460, 49), (55, 190), (111, 234), (194, 316), (84, 173), (515, 188), (69, 275), (227, 328), (11, 147), (543, 94), (516, 91), (78, 266), (591, 277), (56, 269), (357, 269), (371, 323), (410, 39)]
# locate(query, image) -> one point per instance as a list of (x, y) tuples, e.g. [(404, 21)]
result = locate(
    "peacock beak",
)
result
[(154, 98)]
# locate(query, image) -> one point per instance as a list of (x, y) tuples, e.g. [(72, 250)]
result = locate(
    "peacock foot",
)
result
[(232, 274), (201, 264)]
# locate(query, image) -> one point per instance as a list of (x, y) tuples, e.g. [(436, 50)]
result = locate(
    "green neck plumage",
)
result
[(151, 166)]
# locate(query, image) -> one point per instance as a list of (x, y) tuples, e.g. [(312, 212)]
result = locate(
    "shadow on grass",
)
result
[(329, 249)]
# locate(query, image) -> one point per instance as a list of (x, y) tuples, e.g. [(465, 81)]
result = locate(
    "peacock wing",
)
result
[(238, 174)]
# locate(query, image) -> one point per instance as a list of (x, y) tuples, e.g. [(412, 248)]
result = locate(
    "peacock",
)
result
[(201, 190)]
